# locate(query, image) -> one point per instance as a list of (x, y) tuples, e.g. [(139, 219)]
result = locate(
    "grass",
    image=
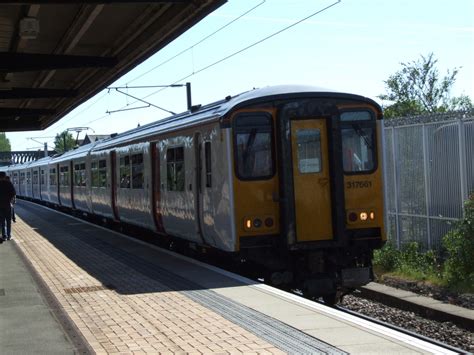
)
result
[(412, 265)]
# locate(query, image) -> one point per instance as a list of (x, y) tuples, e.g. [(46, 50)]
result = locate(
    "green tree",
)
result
[(4, 143), (63, 142), (418, 88)]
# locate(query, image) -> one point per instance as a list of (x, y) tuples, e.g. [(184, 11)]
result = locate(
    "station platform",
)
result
[(97, 291)]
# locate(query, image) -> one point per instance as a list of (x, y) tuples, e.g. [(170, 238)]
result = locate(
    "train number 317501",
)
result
[(358, 184)]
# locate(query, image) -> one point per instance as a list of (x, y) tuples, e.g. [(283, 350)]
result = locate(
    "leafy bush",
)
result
[(408, 262), (387, 258), (459, 244)]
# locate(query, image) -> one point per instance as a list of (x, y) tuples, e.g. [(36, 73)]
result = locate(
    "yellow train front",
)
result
[(307, 180)]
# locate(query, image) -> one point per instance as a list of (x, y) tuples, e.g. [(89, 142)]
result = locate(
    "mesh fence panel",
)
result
[(428, 173)]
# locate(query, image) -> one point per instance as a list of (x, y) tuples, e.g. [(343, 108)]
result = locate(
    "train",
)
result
[(287, 179)]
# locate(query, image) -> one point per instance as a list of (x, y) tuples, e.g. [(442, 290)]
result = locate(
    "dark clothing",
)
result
[(6, 218), (7, 193)]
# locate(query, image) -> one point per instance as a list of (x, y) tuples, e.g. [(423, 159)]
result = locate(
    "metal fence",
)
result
[(429, 173)]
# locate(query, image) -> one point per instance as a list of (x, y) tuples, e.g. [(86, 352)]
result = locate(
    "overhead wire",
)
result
[(198, 42), (236, 52), (246, 48)]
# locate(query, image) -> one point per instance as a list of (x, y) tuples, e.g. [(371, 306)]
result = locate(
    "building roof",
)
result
[(56, 54)]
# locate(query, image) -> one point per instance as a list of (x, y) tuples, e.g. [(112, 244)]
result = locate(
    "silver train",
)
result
[(288, 178)]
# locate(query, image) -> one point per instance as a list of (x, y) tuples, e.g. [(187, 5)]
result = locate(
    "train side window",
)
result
[(137, 171), (42, 178), (77, 174), (52, 177), (35, 177), (28, 177), (253, 140), (207, 156), (309, 150), (94, 174), (125, 172), (102, 173), (83, 175), (175, 169), (64, 176)]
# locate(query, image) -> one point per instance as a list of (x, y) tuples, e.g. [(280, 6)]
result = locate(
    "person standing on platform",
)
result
[(7, 194), (12, 204)]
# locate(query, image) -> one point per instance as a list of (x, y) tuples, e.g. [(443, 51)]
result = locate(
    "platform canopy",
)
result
[(54, 55)]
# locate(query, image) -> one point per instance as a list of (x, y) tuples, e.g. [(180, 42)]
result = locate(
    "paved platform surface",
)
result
[(27, 323), (126, 297)]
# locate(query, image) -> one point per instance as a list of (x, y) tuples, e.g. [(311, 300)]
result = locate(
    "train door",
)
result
[(156, 186), (198, 183), (113, 184), (311, 180), (71, 182)]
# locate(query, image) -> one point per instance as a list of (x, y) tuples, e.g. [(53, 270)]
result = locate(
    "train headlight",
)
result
[(372, 215), (352, 216), (248, 223), (363, 216)]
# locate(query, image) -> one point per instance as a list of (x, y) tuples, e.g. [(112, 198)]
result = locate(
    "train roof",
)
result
[(75, 153), (219, 109)]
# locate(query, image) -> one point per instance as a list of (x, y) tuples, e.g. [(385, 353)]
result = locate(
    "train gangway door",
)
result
[(311, 180)]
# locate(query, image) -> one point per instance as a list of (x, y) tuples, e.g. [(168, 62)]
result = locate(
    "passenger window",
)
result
[(52, 177), (137, 171), (64, 176), (207, 156), (125, 172), (309, 150), (253, 139), (94, 174), (175, 169), (102, 173)]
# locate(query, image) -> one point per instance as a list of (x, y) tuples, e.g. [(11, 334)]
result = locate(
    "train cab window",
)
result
[(175, 169), (253, 140), (52, 177), (309, 150), (125, 172), (102, 173), (137, 171), (358, 141), (208, 160)]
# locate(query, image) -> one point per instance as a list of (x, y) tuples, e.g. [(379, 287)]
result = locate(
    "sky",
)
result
[(352, 46)]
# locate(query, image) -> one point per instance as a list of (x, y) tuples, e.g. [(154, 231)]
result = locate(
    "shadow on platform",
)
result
[(117, 263)]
